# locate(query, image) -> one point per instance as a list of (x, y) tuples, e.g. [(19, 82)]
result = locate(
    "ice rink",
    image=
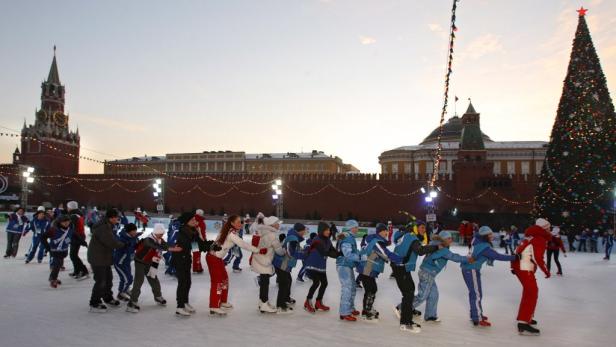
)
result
[(577, 309)]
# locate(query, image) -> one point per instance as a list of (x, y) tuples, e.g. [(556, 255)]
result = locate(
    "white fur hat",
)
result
[(200, 212), (542, 223), (159, 229), (271, 220), (72, 205)]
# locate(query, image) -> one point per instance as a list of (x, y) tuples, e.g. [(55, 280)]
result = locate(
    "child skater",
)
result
[(262, 263), (39, 225), (608, 241), (316, 267), (56, 242), (431, 266), (369, 269), (481, 250), (123, 257), (284, 264), (345, 263), (302, 270)]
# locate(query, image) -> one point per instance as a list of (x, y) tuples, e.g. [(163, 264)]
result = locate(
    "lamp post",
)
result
[(159, 194), (430, 198), (277, 197), (27, 177)]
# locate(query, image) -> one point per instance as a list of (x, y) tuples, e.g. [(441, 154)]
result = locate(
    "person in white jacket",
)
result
[(262, 263), (227, 238)]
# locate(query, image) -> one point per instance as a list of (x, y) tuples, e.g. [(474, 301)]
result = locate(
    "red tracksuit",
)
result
[(196, 263), (531, 250), (219, 290)]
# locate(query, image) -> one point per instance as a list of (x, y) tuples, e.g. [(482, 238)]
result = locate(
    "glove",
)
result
[(263, 251), (215, 247)]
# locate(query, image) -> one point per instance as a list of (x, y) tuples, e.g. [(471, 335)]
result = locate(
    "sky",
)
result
[(352, 78)]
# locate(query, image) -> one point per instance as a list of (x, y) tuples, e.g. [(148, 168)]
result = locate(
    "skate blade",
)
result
[(396, 312)]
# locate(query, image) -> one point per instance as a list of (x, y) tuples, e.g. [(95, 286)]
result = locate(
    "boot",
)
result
[(189, 308), (348, 318), (182, 312), (132, 307), (355, 313), (527, 329), (217, 312), (160, 300), (99, 308), (411, 328), (308, 306), (226, 306), (320, 307), (53, 283)]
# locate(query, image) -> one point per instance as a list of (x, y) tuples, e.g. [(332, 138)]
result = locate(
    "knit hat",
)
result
[(271, 220), (40, 209), (63, 218), (111, 213), (199, 212), (159, 229), (185, 217), (299, 227), (380, 227), (542, 223), (72, 205), (322, 227), (419, 222), (485, 230), (351, 223), (445, 234)]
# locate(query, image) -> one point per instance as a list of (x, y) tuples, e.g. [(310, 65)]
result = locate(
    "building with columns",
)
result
[(514, 158)]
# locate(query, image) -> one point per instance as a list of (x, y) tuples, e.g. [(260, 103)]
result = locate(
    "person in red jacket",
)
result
[(530, 256), (555, 245), (200, 217)]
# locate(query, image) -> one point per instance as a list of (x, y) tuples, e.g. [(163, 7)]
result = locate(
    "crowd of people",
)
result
[(115, 243)]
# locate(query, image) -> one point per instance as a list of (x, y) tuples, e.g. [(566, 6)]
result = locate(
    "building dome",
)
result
[(452, 132)]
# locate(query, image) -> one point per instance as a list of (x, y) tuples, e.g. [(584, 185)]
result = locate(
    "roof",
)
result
[(471, 138), (488, 145), (54, 76), (452, 130), (289, 155)]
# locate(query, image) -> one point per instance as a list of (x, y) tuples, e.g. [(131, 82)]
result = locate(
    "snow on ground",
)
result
[(575, 310)]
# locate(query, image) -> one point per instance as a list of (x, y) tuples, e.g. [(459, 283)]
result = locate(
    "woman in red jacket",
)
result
[(555, 245)]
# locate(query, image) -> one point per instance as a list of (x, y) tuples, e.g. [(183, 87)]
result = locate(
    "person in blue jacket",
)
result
[(123, 257), (302, 270), (172, 235), (345, 263), (18, 225), (235, 252), (481, 251), (431, 266), (284, 264), (56, 241), (316, 267), (608, 242), (376, 254), (39, 225), (594, 241)]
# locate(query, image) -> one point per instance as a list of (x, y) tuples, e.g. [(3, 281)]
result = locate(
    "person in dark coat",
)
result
[(80, 271), (100, 257)]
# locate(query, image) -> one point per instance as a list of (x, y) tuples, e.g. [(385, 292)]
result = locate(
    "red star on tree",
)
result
[(582, 11)]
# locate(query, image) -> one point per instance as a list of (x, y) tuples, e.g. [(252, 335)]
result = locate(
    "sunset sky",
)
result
[(352, 78)]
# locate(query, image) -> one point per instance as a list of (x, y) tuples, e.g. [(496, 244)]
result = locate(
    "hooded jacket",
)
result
[(262, 263), (293, 252), (531, 250), (102, 244)]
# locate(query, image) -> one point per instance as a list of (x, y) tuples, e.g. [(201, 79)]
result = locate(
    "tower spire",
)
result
[(54, 76)]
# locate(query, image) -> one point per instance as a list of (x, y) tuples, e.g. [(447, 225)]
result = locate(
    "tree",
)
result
[(578, 173)]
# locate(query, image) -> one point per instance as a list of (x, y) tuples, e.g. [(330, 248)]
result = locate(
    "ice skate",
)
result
[(132, 307), (411, 328), (527, 330), (265, 307)]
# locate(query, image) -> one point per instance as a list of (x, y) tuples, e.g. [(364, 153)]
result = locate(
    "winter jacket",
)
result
[(320, 248), (482, 252), (233, 239), (293, 252), (39, 226), (78, 222), (127, 253), (17, 224), (57, 239), (172, 232), (185, 238), (148, 248), (201, 226), (434, 263), (531, 250), (409, 247), (555, 243), (262, 263), (102, 244), (376, 255), (348, 248)]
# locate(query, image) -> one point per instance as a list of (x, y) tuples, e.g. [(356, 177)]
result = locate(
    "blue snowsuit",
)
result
[(608, 241), (302, 270), (235, 252), (16, 227), (57, 240), (172, 235), (122, 257), (482, 252), (431, 266), (39, 228), (344, 265)]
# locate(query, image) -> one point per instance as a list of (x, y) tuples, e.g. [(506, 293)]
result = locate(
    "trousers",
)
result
[(219, 288), (530, 294), (348, 289)]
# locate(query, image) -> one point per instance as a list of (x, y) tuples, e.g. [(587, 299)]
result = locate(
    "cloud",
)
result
[(437, 29), (109, 123), (484, 45), (366, 40)]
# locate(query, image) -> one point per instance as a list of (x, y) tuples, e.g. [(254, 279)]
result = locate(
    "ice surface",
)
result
[(575, 310)]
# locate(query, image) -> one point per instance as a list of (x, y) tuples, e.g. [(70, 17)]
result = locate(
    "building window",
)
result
[(525, 168), (511, 168), (394, 168), (429, 167), (497, 168), (416, 167), (442, 167), (538, 166), (384, 169), (407, 168)]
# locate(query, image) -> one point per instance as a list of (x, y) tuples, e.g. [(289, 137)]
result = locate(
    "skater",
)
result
[(59, 236), (555, 245), (530, 252), (583, 238), (18, 225), (482, 252), (182, 260), (235, 254), (123, 257), (594, 241), (39, 225), (302, 270), (58, 211), (409, 247), (219, 288), (92, 217), (430, 267), (372, 265), (502, 235), (80, 271), (571, 240), (349, 260), (316, 267), (284, 265), (100, 257), (172, 235), (608, 242), (197, 267), (262, 262), (148, 253)]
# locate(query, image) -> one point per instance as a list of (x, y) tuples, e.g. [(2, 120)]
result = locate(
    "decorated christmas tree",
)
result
[(578, 174)]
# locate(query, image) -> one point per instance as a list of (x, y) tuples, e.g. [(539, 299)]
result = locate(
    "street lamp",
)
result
[(277, 197), (159, 194), (27, 178)]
